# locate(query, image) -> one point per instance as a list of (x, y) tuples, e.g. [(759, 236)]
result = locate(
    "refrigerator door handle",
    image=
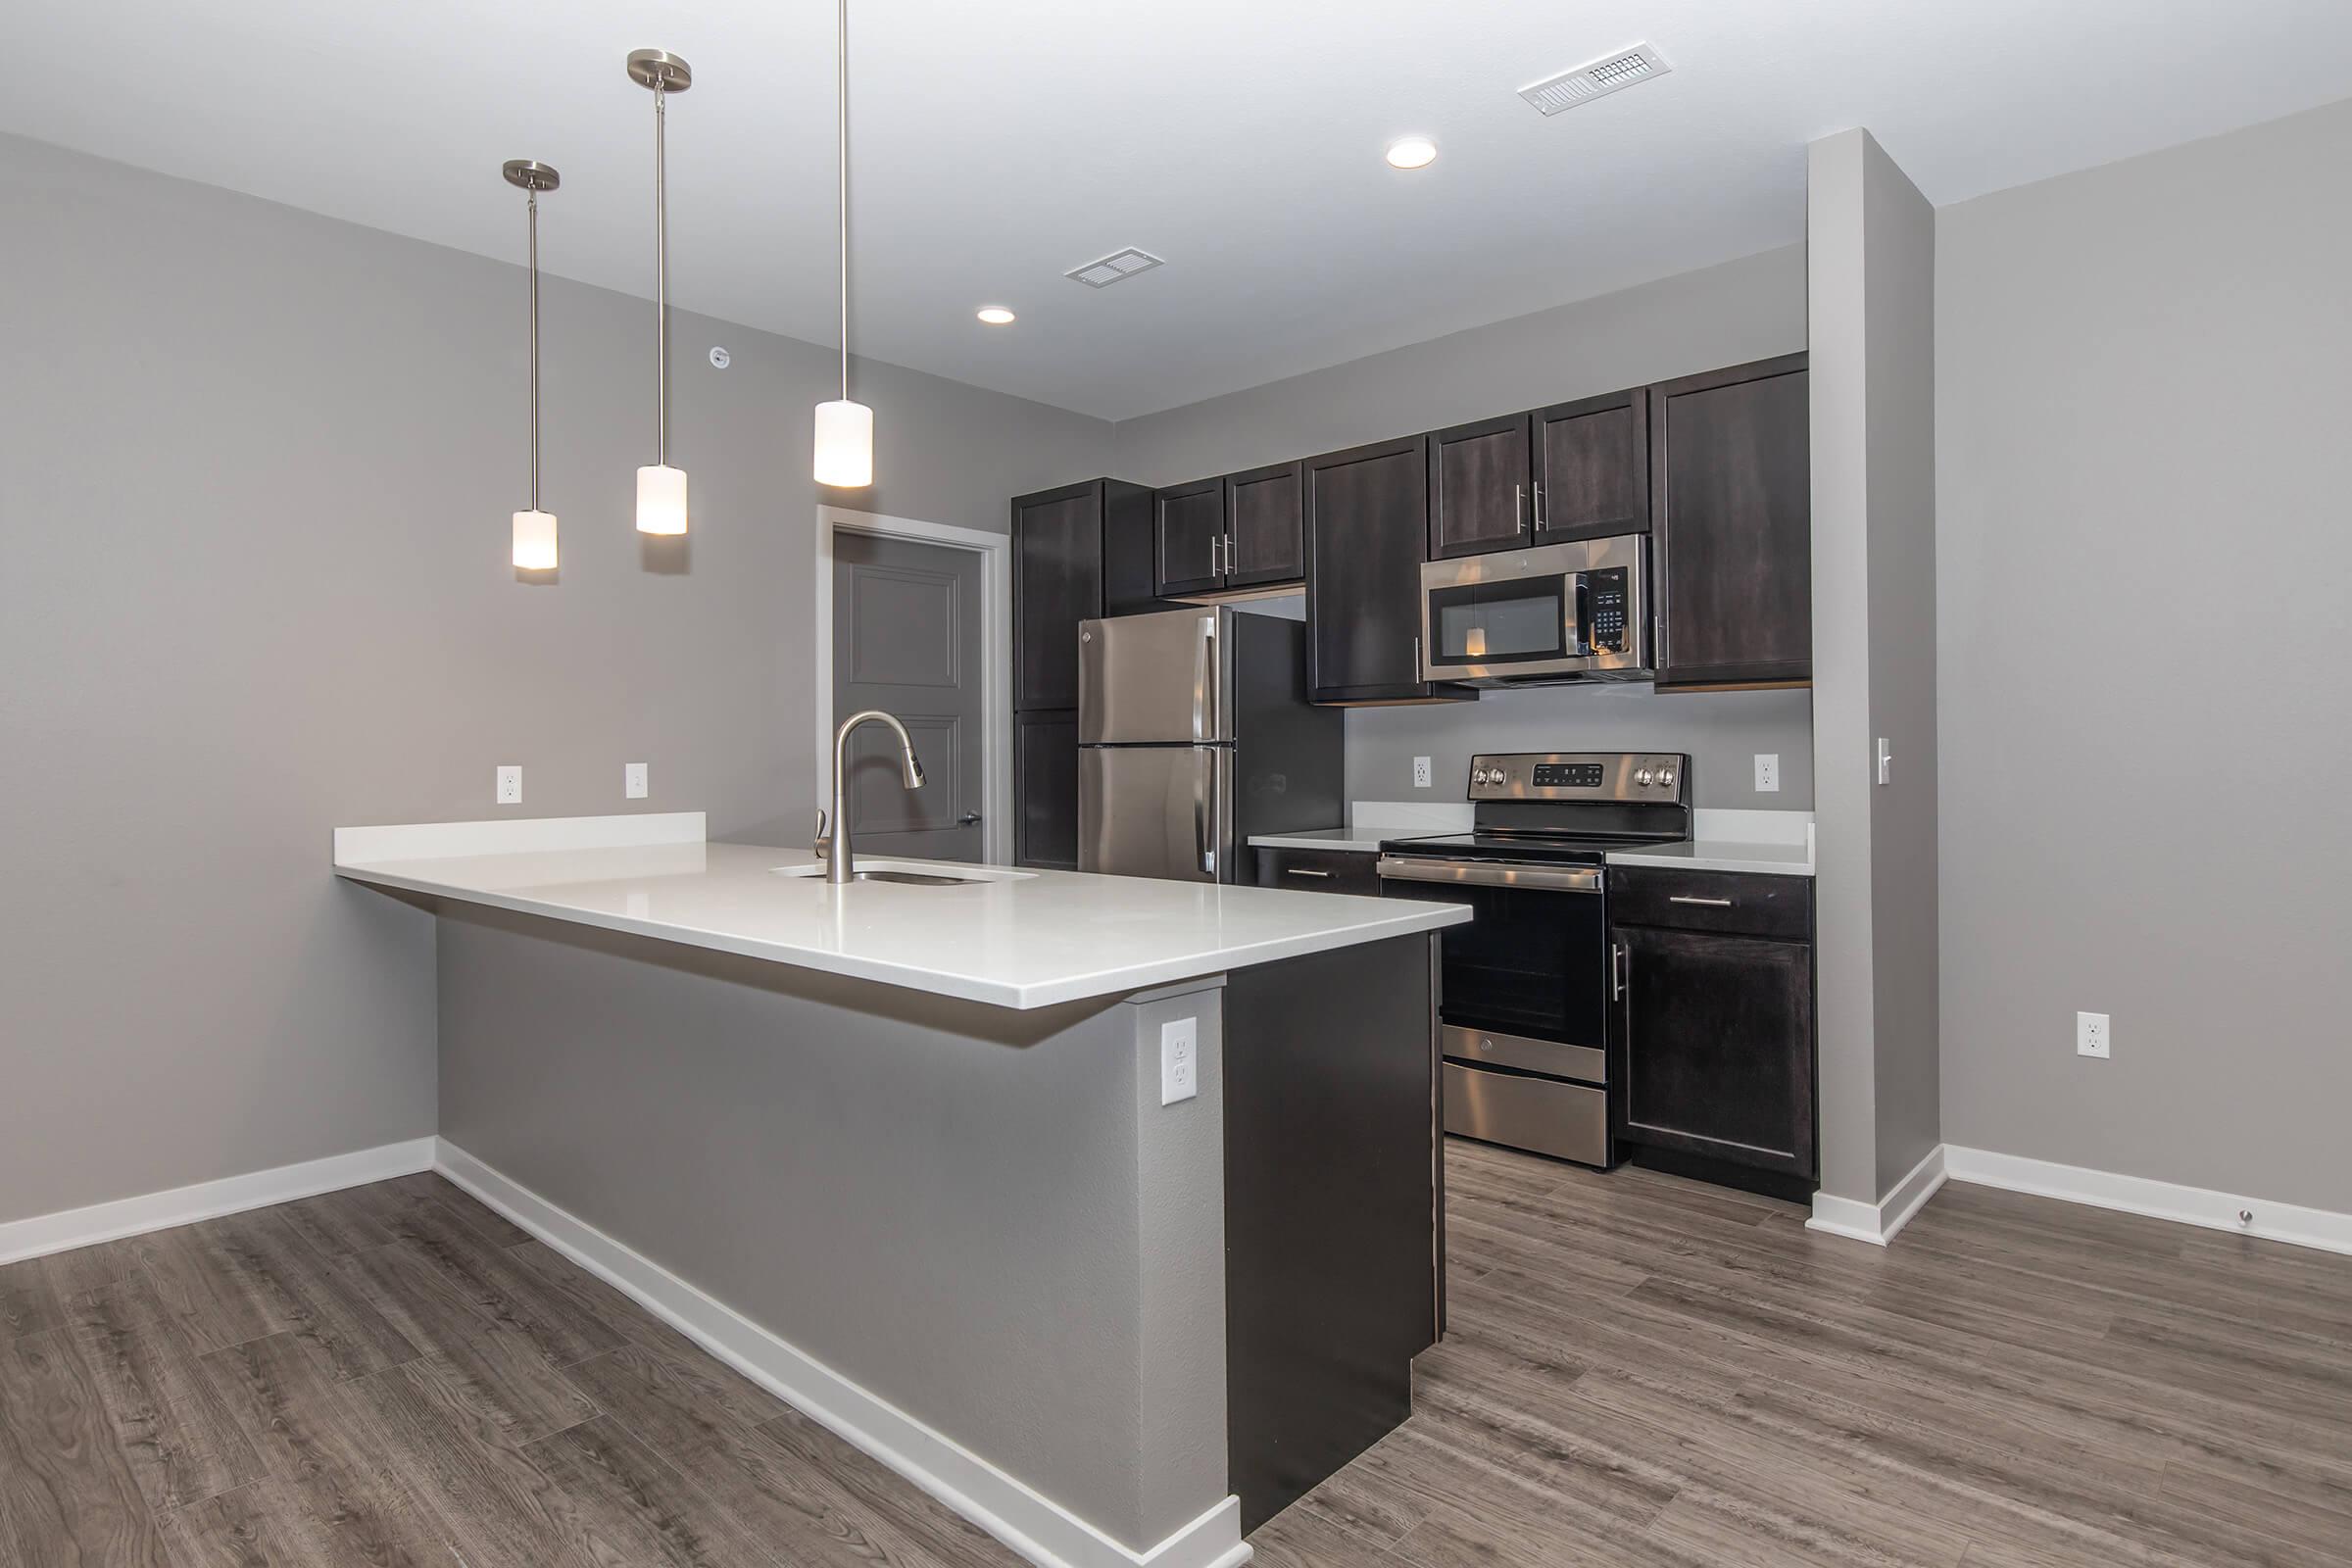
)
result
[(1202, 676), (1204, 780)]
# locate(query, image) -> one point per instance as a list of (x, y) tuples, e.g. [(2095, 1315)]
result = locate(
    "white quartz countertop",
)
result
[(1034, 939), (1363, 840), (1774, 843)]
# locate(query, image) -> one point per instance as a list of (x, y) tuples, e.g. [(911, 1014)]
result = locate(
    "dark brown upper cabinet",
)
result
[(1480, 477), (1575, 470), (1732, 509), (1265, 515), (1591, 467), (1130, 570), (1367, 522), (1079, 552), (1217, 536), (1189, 534)]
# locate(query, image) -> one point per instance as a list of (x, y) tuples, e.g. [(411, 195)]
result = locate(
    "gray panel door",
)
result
[(906, 640), (1155, 810)]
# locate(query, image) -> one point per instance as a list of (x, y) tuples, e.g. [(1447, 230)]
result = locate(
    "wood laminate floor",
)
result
[(1642, 1372)]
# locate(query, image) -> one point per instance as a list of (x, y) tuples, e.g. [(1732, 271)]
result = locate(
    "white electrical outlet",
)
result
[(1768, 772), (2091, 1038), (510, 784), (632, 780), (1178, 1059), (1421, 772)]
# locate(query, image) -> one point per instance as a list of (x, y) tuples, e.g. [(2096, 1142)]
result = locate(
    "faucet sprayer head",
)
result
[(914, 770)]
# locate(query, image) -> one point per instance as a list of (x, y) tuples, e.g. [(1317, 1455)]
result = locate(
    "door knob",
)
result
[(967, 819)]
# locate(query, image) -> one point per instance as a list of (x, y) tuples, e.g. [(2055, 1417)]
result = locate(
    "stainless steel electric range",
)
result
[(1527, 985)]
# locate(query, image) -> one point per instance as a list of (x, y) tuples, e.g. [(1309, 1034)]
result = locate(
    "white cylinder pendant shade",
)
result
[(535, 541), (662, 500), (844, 445)]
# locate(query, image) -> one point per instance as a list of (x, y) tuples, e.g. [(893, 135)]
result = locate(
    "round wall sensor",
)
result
[(720, 358)]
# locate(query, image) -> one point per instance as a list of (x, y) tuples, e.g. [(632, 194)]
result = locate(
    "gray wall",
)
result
[(259, 467), (1749, 309), (2143, 563), (985, 1217), (1871, 251)]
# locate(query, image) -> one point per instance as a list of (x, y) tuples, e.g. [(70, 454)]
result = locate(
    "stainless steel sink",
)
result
[(911, 874)]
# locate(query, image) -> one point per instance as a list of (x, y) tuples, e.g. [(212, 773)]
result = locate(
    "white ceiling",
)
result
[(998, 145)]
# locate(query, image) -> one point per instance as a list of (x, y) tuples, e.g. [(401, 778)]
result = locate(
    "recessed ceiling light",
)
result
[(996, 315), (1413, 152)]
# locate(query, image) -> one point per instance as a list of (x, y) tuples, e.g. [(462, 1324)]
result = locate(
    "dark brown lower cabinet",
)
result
[(1355, 871), (1711, 1028), (1045, 764)]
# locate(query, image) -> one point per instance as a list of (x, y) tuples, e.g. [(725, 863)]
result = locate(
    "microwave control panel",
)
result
[(1608, 594)]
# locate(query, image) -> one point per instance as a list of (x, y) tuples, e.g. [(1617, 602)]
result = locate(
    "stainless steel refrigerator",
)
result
[(1195, 733)]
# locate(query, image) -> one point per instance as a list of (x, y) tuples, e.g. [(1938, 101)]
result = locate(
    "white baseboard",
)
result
[(2320, 1228), (1877, 1223), (1024, 1519), (67, 1229)]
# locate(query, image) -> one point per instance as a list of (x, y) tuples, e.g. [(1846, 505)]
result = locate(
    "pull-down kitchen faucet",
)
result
[(839, 865)]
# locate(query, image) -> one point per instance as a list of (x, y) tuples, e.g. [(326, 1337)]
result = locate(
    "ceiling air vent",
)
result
[(1111, 269), (1595, 80)]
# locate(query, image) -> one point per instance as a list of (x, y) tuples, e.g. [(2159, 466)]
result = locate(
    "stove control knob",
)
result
[(1478, 775), (1666, 778), (1642, 779)]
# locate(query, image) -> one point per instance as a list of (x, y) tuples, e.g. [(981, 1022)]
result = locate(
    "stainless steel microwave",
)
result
[(1524, 618)]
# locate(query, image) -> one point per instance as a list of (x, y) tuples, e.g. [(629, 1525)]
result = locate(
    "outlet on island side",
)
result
[(1768, 772), (1178, 1059), (1421, 772), (2091, 1038), (510, 784), (632, 780)]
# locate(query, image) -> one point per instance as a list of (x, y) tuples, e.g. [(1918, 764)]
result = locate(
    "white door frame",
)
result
[(995, 655)]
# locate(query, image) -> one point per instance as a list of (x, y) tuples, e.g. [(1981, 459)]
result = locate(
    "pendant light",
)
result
[(534, 530), (661, 488), (845, 430)]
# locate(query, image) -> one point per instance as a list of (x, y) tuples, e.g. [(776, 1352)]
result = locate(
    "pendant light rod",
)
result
[(841, 146), (665, 74), (533, 177)]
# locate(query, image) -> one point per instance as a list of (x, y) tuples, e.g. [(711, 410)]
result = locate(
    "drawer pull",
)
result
[(1712, 904), (1301, 870)]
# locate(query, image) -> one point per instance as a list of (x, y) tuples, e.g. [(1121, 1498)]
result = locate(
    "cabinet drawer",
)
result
[(1320, 871), (1745, 903)]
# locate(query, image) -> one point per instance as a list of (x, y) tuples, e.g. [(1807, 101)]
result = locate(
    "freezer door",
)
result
[(1155, 811), (1158, 678)]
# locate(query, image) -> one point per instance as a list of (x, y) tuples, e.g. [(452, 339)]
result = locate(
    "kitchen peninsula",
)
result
[(1105, 1208)]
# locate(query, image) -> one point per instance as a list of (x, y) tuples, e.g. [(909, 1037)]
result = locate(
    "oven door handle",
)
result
[(1493, 874)]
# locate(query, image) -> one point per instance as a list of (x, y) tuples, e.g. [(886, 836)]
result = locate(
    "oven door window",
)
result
[(1533, 961), (1518, 620)]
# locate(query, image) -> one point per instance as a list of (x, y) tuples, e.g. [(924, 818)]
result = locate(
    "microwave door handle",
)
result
[(1576, 615)]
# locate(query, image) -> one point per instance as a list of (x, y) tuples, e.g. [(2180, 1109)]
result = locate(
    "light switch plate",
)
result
[(510, 784), (632, 780), (1768, 772), (1178, 1059)]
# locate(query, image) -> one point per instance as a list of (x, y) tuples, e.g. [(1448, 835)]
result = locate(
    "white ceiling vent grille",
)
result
[(1114, 268), (1595, 80)]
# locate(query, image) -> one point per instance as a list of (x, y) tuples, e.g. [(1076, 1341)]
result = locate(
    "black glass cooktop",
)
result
[(1552, 849)]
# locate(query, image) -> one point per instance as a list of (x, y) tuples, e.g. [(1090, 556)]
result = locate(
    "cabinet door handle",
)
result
[(1616, 972), (1540, 525), (1229, 555), (1519, 508), (1301, 870), (1712, 904)]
